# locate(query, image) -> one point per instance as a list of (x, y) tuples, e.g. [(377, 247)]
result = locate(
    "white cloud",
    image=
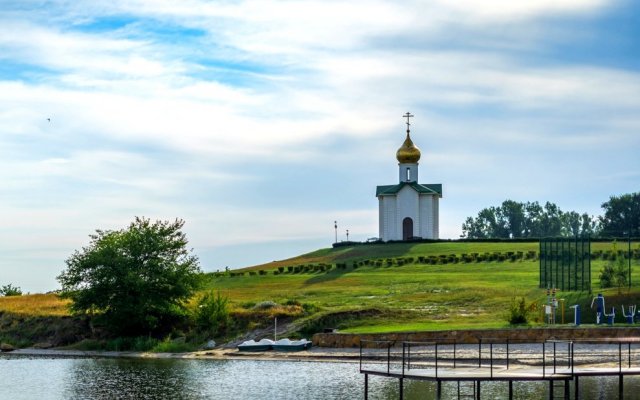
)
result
[(142, 125), (501, 9)]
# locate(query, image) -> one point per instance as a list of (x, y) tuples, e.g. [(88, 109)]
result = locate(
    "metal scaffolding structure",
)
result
[(565, 263)]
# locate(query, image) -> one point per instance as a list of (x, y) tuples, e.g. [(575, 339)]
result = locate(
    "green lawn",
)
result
[(413, 296), (374, 297)]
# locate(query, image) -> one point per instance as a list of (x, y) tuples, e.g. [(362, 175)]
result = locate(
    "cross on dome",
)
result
[(407, 116), (408, 153)]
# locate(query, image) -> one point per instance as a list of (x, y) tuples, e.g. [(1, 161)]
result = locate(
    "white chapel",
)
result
[(408, 209)]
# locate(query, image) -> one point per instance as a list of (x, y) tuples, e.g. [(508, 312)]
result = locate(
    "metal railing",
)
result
[(565, 357), (620, 353), (560, 353)]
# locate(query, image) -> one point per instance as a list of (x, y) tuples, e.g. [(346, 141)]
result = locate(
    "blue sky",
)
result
[(261, 122)]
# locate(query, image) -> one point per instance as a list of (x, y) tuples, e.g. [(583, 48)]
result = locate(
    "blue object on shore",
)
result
[(630, 317), (599, 301), (611, 317), (576, 314)]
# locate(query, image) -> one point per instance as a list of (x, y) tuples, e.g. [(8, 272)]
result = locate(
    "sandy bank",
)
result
[(314, 354)]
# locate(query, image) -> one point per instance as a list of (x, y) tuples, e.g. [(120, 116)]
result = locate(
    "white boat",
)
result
[(252, 345), (292, 345)]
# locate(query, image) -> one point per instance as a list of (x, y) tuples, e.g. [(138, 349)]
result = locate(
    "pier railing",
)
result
[(551, 357), (557, 357), (619, 353), (490, 360), (380, 356), (487, 354)]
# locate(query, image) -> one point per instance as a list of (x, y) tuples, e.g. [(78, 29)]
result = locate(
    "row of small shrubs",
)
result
[(309, 268), (450, 259), (441, 259), (612, 256), (398, 261), (297, 269)]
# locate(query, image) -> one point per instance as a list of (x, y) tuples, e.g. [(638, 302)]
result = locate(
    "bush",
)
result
[(606, 276), (173, 346), (615, 272), (212, 313), (141, 343), (265, 305), (518, 312), (309, 308), (10, 290)]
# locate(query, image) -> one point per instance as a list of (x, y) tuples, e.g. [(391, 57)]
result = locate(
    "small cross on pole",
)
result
[(407, 116)]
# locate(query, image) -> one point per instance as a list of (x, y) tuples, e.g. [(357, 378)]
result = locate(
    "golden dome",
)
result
[(408, 153)]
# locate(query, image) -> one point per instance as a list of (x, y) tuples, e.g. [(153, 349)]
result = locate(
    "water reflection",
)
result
[(131, 379), (42, 378)]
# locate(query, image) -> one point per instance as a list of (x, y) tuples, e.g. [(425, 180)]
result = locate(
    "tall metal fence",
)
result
[(565, 263)]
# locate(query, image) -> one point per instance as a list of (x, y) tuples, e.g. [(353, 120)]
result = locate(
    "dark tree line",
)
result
[(531, 220), (621, 216)]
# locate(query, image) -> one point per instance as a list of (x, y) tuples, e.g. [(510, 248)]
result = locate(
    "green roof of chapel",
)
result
[(389, 190)]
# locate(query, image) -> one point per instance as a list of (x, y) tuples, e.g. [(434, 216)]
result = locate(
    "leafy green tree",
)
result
[(621, 215), (511, 219), (588, 224), (533, 220), (551, 220), (10, 290), (134, 280), (571, 223)]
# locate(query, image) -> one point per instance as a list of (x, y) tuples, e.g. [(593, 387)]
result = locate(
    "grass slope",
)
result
[(413, 296), (369, 299)]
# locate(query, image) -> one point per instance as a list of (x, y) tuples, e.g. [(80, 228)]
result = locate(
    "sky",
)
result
[(260, 123)]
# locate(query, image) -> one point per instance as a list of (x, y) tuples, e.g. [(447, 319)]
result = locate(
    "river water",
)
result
[(97, 378)]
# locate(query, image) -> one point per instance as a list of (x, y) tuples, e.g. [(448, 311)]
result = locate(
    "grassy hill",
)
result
[(398, 287), (374, 288)]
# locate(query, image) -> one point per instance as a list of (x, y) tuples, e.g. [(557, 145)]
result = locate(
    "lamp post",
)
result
[(335, 226), (347, 235)]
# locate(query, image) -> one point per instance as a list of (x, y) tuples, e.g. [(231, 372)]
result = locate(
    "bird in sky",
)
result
[(49, 119)]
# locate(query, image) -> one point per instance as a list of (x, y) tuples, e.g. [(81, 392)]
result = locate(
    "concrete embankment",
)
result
[(348, 340)]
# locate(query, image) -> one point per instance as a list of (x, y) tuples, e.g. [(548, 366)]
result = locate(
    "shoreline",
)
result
[(313, 355)]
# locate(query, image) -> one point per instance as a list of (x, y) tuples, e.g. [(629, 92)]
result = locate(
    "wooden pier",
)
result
[(560, 363)]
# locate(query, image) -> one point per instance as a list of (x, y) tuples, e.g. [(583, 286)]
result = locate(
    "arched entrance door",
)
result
[(407, 228)]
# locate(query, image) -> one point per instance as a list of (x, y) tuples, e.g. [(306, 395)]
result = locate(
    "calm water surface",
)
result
[(77, 378)]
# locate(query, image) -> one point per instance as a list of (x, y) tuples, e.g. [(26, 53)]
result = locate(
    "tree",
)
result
[(589, 224), (134, 280), (621, 215), (525, 220), (615, 272), (571, 223), (512, 215), (10, 290)]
